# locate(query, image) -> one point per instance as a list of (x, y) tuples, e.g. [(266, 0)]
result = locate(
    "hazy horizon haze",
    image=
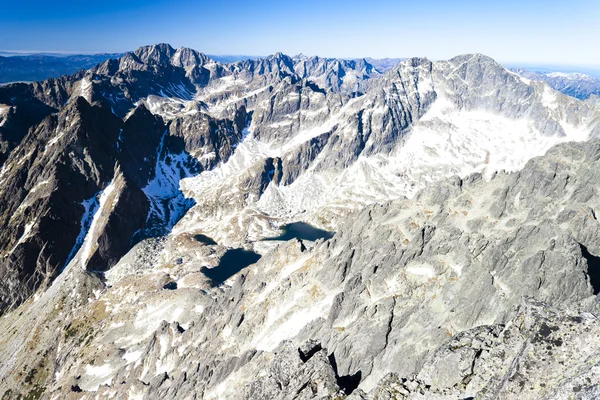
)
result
[(535, 32)]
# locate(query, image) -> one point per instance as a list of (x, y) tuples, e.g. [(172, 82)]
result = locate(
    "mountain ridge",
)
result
[(118, 84), (110, 176)]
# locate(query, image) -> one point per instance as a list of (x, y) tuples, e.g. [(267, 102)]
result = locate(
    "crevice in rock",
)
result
[(304, 386), (390, 322), (348, 383), (307, 355), (467, 378), (593, 271)]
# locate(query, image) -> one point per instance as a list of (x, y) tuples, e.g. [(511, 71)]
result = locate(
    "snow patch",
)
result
[(549, 98), (92, 233), (38, 186), (133, 356), (286, 322), (90, 207), (85, 89), (199, 309), (26, 235), (167, 202), (422, 270), (101, 375), (4, 109), (54, 140)]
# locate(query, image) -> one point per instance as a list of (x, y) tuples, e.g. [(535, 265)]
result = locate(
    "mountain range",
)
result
[(28, 67), (37, 67), (577, 85), (174, 226)]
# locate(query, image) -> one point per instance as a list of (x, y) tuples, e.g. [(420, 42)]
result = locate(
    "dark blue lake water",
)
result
[(232, 262), (302, 231)]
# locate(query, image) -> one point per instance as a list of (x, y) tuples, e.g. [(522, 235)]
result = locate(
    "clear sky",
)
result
[(525, 31)]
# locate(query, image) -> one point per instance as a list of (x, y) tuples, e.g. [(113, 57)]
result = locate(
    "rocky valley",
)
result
[(173, 226)]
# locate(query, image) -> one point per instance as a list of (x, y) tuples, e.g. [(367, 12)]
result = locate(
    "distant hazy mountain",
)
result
[(36, 67), (384, 64), (30, 67), (576, 85), (226, 59)]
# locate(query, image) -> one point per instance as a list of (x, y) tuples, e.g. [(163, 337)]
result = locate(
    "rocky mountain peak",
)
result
[(475, 59), (186, 58), (155, 54), (281, 62)]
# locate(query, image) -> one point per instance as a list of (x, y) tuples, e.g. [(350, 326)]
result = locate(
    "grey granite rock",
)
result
[(418, 297)]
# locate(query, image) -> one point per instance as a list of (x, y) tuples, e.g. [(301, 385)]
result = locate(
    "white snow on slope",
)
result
[(26, 235), (133, 356), (250, 151), (169, 107), (85, 89), (167, 203), (90, 206), (549, 98), (39, 185), (571, 76), (178, 91), (54, 140), (4, 109), (91, 235), (96, 376), (446, 141), (221, 105)]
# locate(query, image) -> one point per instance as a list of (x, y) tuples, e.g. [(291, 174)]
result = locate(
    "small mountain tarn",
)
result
[(302, 231), (232, 262)]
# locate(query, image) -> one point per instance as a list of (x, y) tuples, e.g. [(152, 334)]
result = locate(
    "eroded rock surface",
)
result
[(128, 187)]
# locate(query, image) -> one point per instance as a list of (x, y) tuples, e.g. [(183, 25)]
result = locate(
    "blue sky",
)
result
[(526, 31)]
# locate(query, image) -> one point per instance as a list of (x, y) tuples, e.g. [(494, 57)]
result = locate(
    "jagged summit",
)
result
[(473, 57), (158, 53)]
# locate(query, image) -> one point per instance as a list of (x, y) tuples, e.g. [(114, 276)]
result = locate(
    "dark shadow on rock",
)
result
[(199, 237), (593, 272), (308, 350), (348, 383)]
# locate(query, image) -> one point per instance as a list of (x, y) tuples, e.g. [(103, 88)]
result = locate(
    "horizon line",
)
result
[(510, 63)]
